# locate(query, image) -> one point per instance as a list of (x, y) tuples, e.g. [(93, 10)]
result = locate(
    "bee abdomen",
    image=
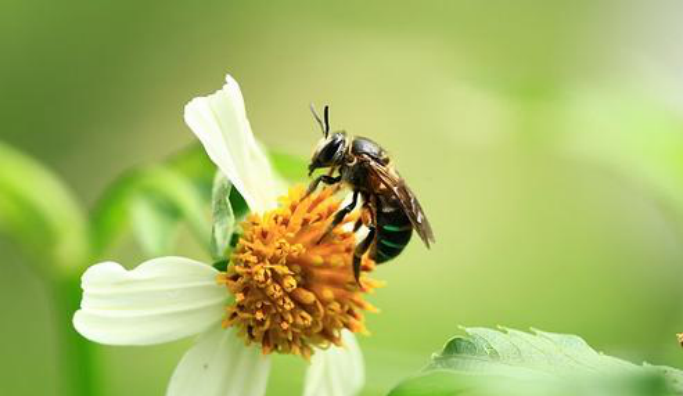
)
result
[(394, 231)]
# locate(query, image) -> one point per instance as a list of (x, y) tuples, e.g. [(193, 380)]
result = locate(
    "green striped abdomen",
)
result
[(394, 231)]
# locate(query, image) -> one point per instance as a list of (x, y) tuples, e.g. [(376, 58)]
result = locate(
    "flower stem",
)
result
[(76, 354)]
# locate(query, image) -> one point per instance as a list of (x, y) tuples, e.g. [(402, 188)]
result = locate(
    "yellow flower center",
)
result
[(294, 291)]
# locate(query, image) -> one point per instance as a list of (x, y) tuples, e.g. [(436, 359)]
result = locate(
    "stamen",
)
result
[(292, 293)]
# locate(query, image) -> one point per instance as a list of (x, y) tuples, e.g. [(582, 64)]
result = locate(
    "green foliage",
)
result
[(223, 217), (196, 167), (194, 164), (290, 167), (152, 201), (40, 213), (154, 223), (614, 137), (488, 362)]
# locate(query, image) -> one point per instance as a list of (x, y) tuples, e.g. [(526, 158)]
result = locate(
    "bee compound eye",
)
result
[(329, 151)]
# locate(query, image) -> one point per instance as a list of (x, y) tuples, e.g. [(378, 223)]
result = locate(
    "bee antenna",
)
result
[(326, 114), (318, 120)]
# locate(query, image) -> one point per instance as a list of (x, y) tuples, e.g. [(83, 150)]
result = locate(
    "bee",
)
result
[(365, 167)]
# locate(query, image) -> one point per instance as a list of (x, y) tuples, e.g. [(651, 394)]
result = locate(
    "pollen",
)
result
[(293, 285)]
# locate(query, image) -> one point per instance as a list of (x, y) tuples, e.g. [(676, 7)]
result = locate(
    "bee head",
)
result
[(330, 149), (328, 152)]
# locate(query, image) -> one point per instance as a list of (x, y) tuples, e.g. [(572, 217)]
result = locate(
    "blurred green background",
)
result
[(544, 139)]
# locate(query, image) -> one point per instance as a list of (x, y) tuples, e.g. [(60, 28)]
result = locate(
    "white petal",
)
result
[(220, 122), (161, 300), (336, 371), (219, 364)]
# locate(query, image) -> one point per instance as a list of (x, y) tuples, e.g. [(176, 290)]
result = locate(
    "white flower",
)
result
[(169, 298)]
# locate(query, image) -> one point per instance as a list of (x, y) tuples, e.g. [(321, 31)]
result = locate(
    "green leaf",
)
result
[(489, 362), (152, 200), (221, 265), (239, 205), (289, 166), (40, 213), (194, 164), (196, 167), (223, 217), (434, 383), (155, 224), (161, 189)]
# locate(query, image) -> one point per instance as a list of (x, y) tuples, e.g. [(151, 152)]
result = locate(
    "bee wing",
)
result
[(395, 183)]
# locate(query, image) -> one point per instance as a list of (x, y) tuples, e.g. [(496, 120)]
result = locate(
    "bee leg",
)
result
[(360, 251), (339, 216), (358, 225), (327, 179), (367, 210)]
